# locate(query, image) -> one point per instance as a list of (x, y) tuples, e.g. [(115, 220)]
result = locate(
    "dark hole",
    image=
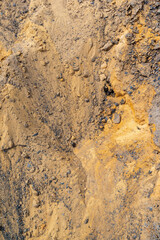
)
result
[(108, 91), (73, 144), (86, 221), (1, 228)]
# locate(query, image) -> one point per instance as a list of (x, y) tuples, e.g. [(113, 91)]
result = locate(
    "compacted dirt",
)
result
[(79, 119)]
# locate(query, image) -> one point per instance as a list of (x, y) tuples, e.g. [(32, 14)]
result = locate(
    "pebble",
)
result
[(86, 75), (75, 68), (93, 58), (104, 120), (68, 172), (36, 203), (18, 53), (26, 125), (107, 46), (104, 65), (129, 93), (24, 69), (102, 77), (54, 178), (129, 37), (101, 127), (30, 168), (59, 76), (116, 104), (116, 118), (34, 192), (36, 134)]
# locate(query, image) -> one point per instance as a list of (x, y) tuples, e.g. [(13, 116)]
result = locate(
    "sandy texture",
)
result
[(79, 120)]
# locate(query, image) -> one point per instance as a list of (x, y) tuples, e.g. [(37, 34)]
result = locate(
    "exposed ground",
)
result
[(80, 119)]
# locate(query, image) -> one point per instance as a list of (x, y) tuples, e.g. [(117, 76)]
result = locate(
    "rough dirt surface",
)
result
[(79, 119)]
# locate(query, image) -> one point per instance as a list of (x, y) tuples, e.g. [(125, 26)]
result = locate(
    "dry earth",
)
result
[(79, 119)]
